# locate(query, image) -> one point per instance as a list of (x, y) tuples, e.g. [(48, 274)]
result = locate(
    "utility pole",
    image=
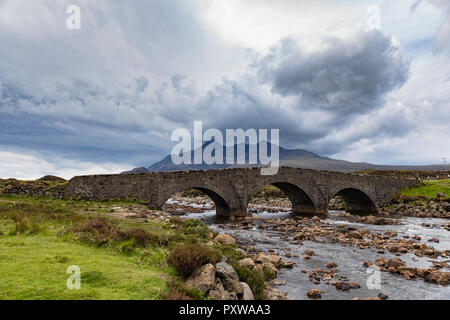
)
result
[(445, 163)]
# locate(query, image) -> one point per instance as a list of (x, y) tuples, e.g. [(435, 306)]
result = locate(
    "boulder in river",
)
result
[(247, 263), (314, 294), (224, 239)]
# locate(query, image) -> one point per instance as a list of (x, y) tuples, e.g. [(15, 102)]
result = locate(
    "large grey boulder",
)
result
[(247, 293), (225, 271), (219, 292), (232, 286)]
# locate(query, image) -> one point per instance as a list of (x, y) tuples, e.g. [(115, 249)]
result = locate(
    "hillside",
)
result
[(297, 158)]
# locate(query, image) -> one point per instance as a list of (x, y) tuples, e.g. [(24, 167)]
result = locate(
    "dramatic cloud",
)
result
[(343, 75), (107, 97)]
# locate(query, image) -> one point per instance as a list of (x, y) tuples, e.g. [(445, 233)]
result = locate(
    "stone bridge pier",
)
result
[(232, 189)]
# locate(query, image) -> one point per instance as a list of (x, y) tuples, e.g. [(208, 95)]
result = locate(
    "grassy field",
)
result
[(118, 258), (34, 267), (429, 189)]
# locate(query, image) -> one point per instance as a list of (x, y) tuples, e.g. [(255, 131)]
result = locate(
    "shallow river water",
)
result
[(349, 259)]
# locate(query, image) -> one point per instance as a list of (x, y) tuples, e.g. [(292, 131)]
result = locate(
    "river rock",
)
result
[(224, 239), (355, 234), (341, 285), (224, 271), (287, 264), (232, 286), (247, 293), (247, 263), (242, 251), (380, 261), (266, 268), (314, 294), (271, 258), (271, 293), (438, 277), (203, 279), (396, 263), (383, 296), (219, 292)]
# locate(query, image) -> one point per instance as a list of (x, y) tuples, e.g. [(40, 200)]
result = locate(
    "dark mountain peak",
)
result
[(136, 170), (297, 158)]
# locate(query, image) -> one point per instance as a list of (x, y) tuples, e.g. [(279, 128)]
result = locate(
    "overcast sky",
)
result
[(107, 97)]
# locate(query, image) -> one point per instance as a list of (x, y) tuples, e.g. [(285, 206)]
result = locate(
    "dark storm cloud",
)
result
[(344, 75), (315, 96), (311, 95), (120, 101)]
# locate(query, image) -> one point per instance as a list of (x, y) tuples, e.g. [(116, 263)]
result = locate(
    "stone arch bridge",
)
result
[(232, 189)]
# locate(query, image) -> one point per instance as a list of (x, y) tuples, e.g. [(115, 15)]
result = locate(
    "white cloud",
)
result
[(30, 167)]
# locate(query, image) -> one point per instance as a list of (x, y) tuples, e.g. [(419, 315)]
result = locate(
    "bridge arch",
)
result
[(220, 202), (302, 202), (357, 201)]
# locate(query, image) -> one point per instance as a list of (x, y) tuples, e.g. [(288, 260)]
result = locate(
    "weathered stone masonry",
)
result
[(231, 189)]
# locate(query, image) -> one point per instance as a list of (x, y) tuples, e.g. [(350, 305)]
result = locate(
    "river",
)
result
[(349, 259)]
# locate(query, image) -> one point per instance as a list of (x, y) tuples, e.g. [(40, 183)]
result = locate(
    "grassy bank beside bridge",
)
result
[(119, 258), (430, 189)]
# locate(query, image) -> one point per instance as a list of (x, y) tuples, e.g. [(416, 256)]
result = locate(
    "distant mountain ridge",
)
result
[(297, 158)]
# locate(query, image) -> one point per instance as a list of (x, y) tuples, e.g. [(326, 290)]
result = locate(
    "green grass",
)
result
[(39, 240), (34, 267), (429, 189)]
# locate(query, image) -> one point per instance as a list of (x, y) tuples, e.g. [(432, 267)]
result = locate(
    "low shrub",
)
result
[(141, 237), (94, 278), (269, 274), (253, 278), (23, 225), (102, 231), (127, 246), (175, 295), (30, 217), (177, 290), (185, 259), (230, 252), (192, 227)]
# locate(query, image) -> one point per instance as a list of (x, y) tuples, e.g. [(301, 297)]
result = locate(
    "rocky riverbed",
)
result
[(343, 256)]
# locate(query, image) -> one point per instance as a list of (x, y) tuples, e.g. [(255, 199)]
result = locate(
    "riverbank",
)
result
[(123, 250), (339, 257)]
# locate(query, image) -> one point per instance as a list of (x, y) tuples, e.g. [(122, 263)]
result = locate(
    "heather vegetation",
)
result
[(119, 258)]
